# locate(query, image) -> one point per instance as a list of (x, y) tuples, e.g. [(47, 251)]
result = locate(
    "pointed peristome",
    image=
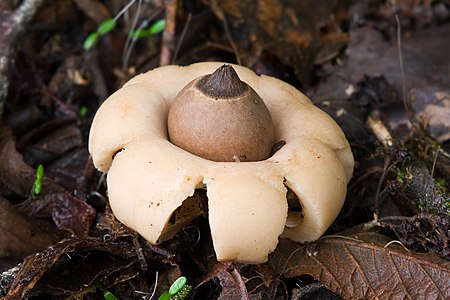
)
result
[(224, 83)]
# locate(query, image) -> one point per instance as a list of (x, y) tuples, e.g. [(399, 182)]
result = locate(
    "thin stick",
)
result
[(380, 131), (402, 69), (168, 38), (154, 289), (435, 160), (233, 45), (133, 40), (129, 41), (241, 284), (182, 36), (13, 25)]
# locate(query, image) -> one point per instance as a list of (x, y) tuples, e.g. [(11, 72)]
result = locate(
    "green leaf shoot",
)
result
[(177, 285), (109, 296), (37, 186), (157, 27), (83, 111), (165, 296), (90, 41), (107, 26)]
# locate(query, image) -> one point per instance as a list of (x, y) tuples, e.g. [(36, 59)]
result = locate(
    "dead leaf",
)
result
[(423, 233), (357, 269), (21, 235), (94, 9), (73, 265), (50, 141), (16, 177), (370, 54), (432, 108), (68, 212), (229, 287), (288, 30)]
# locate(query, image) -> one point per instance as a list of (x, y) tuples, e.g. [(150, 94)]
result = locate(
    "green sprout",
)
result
[(179, 290), (110, 24), (154, 29), (104, 28), (109, 296), (401, 175), (441, 182), (37, 186), (83, 111)]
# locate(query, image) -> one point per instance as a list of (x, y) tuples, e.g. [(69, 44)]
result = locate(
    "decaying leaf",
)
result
[(432, 109), (74, 265), (369, 269), (68, 212), (369, 54), (22, 235), (422, 233), (285, 29), (228, 287), (16, 177)]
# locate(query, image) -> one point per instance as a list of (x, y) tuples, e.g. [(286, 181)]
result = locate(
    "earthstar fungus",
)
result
[(221, 118), (151, 181)]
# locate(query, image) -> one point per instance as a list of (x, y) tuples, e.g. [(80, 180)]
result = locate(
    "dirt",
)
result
[(379, 68)]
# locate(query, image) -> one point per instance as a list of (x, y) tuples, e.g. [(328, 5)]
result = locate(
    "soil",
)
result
[(379, 68)]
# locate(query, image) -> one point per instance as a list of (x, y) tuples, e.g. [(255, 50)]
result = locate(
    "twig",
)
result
[(383, 135), (129, 43), (168, 38), (380, 131), (241, 284), (12, 25), (396, 242), (435, 160), (182, 36), (402, 69), (233, 45)]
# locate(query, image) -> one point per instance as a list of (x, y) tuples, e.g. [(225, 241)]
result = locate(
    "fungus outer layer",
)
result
[(149, 178), (221, 118)]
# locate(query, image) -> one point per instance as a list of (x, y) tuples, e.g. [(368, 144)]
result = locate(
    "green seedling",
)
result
[(109, 296), (37, 186), (401, 175), (107, 26), (441, 182), (83, 111), (110, 24), (156, 28), (179, 290), (102, 29)]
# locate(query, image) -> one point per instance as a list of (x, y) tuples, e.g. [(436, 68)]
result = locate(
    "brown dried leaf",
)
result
[(68, 212), (21, 235), (432, 108), (229, 285), (422, 233), (358, 269), (16, 177), (369, 54), (298, 33), (49, 141), (94, 9), (74, 265)]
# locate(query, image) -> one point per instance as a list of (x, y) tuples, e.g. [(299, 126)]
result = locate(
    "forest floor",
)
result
[(381, 69)]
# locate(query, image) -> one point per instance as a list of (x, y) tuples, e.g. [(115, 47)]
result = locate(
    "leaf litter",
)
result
[(344, 56)]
